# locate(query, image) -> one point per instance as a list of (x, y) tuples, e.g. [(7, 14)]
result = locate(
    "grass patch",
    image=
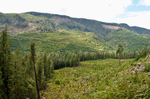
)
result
[(99, 79)]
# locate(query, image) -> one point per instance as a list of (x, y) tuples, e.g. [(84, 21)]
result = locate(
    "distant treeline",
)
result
[(73, 59)]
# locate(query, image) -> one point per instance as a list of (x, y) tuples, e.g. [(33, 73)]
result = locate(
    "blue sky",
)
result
[(132, 12), (136, 14), (136, 7)]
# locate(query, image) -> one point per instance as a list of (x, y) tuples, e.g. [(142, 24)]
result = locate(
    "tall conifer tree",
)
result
[(49, 66), (18, 89), (119, 51), (32, 49), (5, 60), (39, 71), (45, 64)]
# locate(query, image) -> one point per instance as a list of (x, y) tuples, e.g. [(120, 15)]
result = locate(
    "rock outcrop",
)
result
[(137, 68)]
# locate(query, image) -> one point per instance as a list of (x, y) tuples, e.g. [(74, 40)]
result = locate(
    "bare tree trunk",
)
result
[(36, 82)]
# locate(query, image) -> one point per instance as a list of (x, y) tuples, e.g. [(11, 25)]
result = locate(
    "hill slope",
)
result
[(100, 79), (61, 41), (44, 22), (103, 36)]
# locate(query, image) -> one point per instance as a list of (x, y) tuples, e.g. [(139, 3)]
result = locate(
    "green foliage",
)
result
[(57, 82), (120, 49), (143, 53), (130, 40), (76, 41), (102, 79), (14, 19), (46, 26), (70, 41), (53, 42), (18, 89), (39, 71), (5, 60), (49, 68), (103, 38), (17, 80), (147, 68), (32, 49), (1, 58), (45, 64)]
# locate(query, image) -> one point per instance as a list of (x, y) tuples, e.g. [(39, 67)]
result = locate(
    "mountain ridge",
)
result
[(81, 23), (105, 36)]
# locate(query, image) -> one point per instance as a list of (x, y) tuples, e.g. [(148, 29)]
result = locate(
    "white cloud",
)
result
[(103, 10), (144, 2), (140, 19)]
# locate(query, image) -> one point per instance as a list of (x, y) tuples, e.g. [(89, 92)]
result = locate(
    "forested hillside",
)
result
[(62, 33)]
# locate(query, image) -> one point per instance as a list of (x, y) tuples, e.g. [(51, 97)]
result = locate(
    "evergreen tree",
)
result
[(45, 64), (5, 60), (52, 67), (28, 75), (78, 58), (29, 66), (18, 89), (39, 71), (119, 51), (32, 49), (1, 80), (66, 58), (49, 66)]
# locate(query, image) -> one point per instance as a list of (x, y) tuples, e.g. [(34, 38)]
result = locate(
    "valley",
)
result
[(98, 79), (60, 57)]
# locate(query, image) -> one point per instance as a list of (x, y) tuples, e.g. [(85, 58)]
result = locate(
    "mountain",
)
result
[(62, 33), (45, 22)]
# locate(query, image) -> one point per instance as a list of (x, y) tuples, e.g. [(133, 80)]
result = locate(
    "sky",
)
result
[(132, 12)]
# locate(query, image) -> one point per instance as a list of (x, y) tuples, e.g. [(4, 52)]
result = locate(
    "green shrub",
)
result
[(133, 64), (66, 96), (57, 82), (147, 68), (142, 54)]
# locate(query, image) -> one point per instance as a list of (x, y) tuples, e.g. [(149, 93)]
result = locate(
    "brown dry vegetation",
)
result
[(111, 27)]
